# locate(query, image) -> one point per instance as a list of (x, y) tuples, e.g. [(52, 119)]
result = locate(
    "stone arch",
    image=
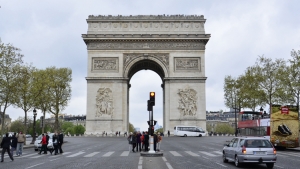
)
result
[(146, 62)]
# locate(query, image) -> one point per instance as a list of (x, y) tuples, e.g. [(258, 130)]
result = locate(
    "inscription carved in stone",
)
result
[(105, 64), (187, 63), (128, 57), (146, 45), (187, 102), (104, 102)]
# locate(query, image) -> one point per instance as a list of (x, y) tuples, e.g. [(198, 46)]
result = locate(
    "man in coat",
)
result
[(5, 144), (60, 142), (146, 141)]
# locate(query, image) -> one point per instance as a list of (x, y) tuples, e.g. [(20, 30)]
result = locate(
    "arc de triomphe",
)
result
[(173, 46)]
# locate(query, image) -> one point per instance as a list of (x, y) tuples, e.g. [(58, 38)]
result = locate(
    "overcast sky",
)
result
[(49, 34)]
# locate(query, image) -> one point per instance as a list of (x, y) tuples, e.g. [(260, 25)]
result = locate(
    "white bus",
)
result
[(189, 131)]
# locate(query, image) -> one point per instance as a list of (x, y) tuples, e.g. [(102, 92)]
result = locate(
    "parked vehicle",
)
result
[(37, 143), (189, 131), (250, 150), (28, 136)]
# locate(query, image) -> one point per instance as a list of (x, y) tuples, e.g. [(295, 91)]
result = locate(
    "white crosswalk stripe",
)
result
[(218, 152), (125, 153), (91, 155), (76, 154), (208, 154), (175, 153), (192, 154), (108, 154)]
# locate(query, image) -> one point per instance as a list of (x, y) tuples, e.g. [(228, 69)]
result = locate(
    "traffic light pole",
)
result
[(151, 140)]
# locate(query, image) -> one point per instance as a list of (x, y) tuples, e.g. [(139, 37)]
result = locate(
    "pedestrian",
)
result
[(125, 133), (20, 144), (60, 142), (129, 138), (106, 133), (44, 144), (168, 133), (138, 142), (47, 140), (5, 145), (14, 142), (155, 141), (146, 141), (55, 143), (159, 138), (119, 133), (134, 141), (142, 140), (116, 133)]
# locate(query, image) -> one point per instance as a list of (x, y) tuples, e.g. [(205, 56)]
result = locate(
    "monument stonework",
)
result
[(173, 46)]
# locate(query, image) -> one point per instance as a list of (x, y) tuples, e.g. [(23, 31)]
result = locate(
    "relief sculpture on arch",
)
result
[(104, 103), (187, 102)]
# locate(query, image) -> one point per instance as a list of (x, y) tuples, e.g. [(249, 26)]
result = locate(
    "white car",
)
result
[(38, 144)]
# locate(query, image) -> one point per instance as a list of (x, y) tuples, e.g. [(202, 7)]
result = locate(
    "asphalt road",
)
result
[(113, 153)]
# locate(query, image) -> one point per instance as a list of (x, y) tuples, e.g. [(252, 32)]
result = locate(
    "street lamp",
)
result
[(261, 110), (34, 116)]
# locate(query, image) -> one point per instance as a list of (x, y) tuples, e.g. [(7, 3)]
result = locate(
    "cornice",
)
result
[(146, 17), (145, 36)]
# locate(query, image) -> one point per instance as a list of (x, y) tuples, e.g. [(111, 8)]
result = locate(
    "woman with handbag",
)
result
[(55, 143)]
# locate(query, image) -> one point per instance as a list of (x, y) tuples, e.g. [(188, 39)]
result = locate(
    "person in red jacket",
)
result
[(44, 144)]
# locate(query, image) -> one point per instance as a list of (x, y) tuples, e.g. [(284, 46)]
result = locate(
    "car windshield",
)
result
[(253, 143), (50, 136)]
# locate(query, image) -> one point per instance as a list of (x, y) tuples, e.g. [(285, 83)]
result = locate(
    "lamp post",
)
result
[(261, 110), (34, 135)]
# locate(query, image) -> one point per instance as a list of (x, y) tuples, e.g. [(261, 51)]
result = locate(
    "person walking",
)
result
[(20, 144), (47, 140), (168, 133), (44, 144), (129, 138), (155, 141), (146, 141), (143, 141), (159, 138), (55, 143), (14, 142), (60, 142), (138, 142), (134, 141), (5, 145)]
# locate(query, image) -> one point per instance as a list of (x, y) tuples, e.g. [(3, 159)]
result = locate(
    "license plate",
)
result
[(259, 152)]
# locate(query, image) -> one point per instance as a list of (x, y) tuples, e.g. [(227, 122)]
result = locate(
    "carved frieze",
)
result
[(133, 45), (182, 64), (105, 64), (104, 103), (143, 17), (163, 57), (187, 102)]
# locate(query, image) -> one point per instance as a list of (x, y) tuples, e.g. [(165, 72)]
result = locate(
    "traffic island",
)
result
[(147, 154)]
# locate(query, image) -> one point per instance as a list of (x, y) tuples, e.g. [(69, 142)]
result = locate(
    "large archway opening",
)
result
[(144, 77)]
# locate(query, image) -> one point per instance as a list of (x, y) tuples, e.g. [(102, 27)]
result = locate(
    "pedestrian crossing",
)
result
[(210, 154)]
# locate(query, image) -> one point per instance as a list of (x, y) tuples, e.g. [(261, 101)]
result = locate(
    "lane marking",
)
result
[(91, 155), (76, 154), (221, 165), (175, 153), (218, 152), (278, 166), (140, 166), (192, 154), (164, 158), (54, 159), (169, 165), (108, 154), (34, 165), (125, 153), (206, 153)]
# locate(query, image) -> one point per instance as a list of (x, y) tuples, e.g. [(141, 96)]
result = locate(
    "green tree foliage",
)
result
[(231, 93), (59, 90), (66, 125), (131, 127), (17, 126), (10, 58), (161, 130), (224, 129), (79, 129)]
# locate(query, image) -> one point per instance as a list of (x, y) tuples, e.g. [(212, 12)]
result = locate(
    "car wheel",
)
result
[(185, 135), (224, 158), (236, 161), (270, 165), (36, 149), (200, 135)]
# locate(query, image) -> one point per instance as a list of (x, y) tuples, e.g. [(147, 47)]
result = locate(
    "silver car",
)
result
[(37, 143), (250, 150)]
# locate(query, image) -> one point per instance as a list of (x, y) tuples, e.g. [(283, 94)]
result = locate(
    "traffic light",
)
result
[(149, 106), (152, 98)]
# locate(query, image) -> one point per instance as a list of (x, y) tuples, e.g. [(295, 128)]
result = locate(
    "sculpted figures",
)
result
[(187, 102), (104, 102)]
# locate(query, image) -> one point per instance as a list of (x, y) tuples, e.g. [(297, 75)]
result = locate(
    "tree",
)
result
[(25, 97), (131, 127), (268, 74), (10, 58), (79, 129), (224, 129), (66, 125), (59, 90), (161, 130), (231, 93), (17, 126)]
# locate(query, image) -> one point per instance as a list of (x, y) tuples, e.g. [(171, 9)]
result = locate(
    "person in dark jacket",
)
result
[(55, 143), (155, 141), (60, 142), (5, 145), (146, 141), (138, 142), (14, 142), (133, 141)]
